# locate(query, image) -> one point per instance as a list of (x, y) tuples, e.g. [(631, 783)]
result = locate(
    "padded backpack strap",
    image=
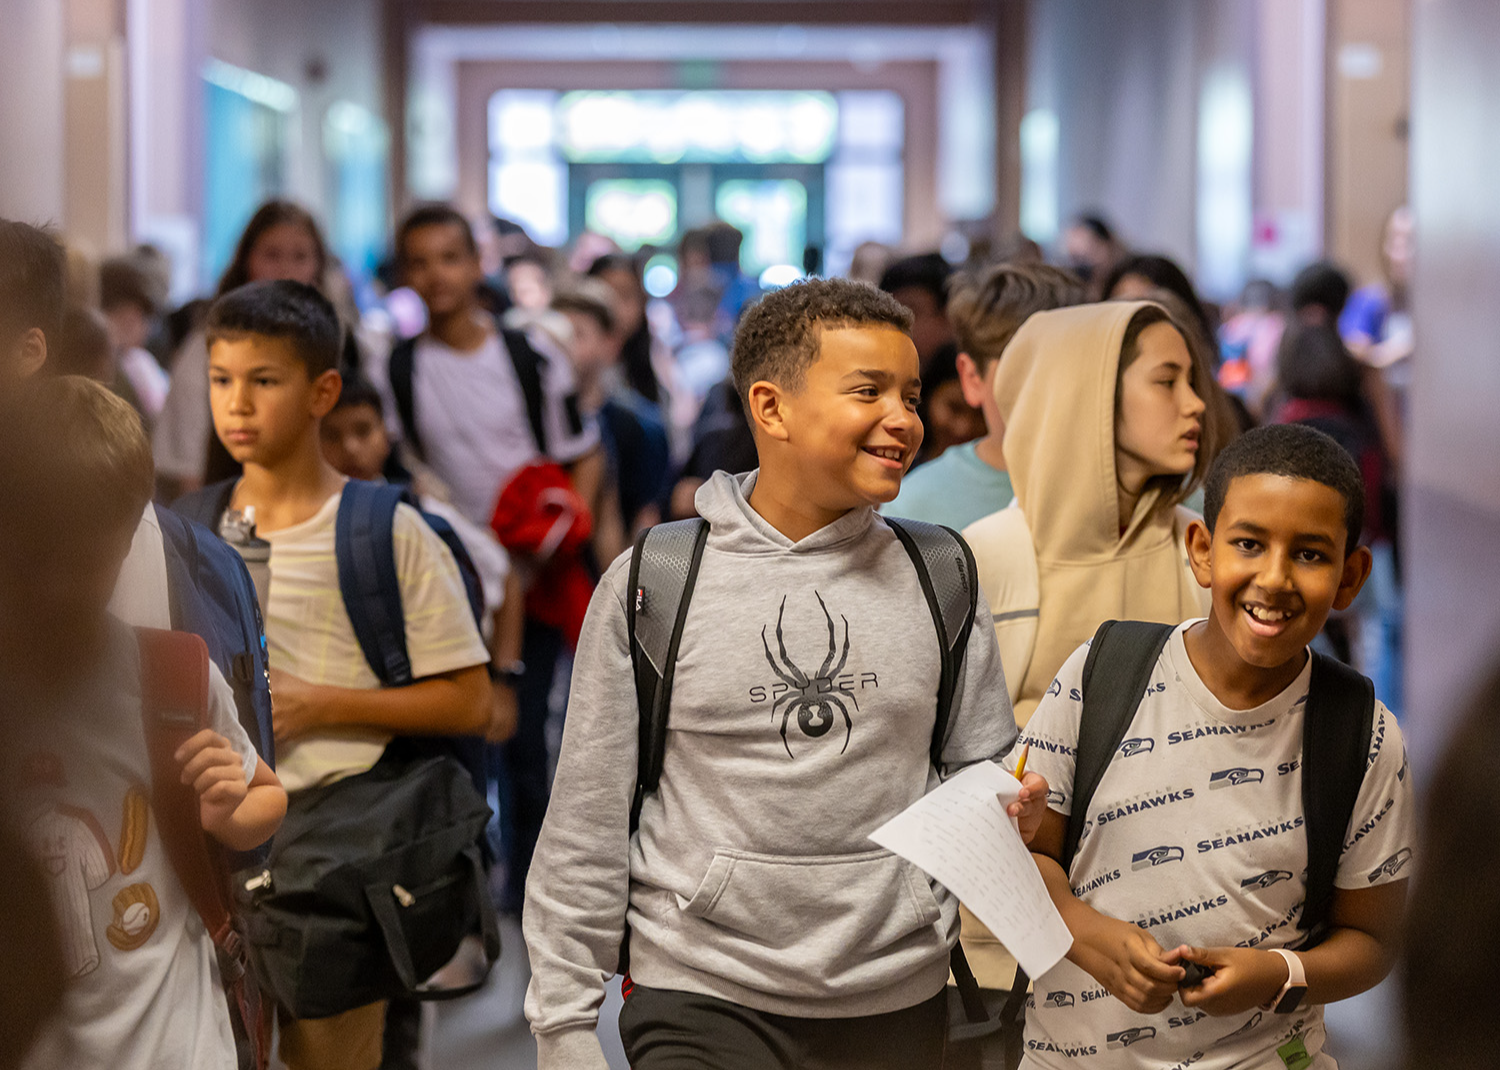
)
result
[(528, 365), (1336, 727), (663, 569), (174, 707), (364, 544), (950, 582), (400, 371), (1115, 676)]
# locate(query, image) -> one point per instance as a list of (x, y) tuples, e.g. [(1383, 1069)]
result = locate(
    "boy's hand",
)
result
[(504, 713), (216, 773), (1127, 961), (1030, 805), (1243, 978), (291, 706)]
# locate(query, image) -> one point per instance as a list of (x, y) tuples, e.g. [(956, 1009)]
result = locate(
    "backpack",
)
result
[(334, 919), (663, 570), (174, 706), (1336, 726), (523, 357), (210, 594)]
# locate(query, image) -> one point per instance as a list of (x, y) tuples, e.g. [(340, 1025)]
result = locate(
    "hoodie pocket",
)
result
[(841, 913)]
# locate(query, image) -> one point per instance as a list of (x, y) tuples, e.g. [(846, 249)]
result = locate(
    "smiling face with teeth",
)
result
[(1276, 565)]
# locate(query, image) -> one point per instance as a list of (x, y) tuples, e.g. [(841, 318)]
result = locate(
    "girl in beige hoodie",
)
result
[(1106, 433)]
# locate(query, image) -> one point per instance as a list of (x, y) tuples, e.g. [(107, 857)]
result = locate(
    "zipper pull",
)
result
[(404, 898), (260, 881)]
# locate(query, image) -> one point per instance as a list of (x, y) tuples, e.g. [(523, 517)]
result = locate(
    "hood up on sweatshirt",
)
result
[(1056, 392)]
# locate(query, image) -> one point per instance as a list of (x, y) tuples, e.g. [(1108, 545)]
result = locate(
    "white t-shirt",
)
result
[(309, 635), (144, 987), (140, 596), (491, 560), (471, 416), (147, 378), (1197, 836)]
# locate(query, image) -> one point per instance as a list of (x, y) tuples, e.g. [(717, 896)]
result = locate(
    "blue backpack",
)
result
[(209, 592), (364, 546)]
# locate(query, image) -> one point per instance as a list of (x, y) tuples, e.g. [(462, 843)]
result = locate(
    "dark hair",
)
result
[(778, 337), (1296, 451), (1163, 274), (1321, 283), (33, 280), (929, 272), (635, 351), (986, 310), (434, 215), (122, 281), (1095, 225), (281, 309), (271, 214), (723, 241), (357, 390), (1313, 362)]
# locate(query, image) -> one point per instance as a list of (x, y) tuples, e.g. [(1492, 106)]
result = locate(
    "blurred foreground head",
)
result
[(33, 294), (76, 478)]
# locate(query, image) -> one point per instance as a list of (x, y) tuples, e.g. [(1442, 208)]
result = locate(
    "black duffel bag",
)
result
[(371, 885)]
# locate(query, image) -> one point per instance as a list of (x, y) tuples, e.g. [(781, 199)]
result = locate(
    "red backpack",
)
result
[(174, 707)]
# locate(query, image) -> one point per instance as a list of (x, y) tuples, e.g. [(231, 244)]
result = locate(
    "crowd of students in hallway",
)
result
[(1109, 445)]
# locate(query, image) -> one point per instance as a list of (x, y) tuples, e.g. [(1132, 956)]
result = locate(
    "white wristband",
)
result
[(1294, 991)]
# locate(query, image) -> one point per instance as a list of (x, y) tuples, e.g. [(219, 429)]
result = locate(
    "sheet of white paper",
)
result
[(960, 834)]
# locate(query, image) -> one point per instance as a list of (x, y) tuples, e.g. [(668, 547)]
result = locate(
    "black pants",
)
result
[(525, 756), (664, 1028)]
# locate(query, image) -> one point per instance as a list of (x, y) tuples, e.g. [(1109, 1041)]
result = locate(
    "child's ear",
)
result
[(325, 393), (1200, 545), (1356, 572), (766, 408), (972, 382)]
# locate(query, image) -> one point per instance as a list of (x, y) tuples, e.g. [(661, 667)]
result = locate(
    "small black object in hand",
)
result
[(1196, 973)]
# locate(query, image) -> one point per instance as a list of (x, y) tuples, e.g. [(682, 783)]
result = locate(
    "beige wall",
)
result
[(1369, 84), (1452, 501)]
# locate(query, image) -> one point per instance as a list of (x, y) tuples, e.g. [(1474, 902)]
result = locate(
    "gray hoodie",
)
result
[(752, 877)]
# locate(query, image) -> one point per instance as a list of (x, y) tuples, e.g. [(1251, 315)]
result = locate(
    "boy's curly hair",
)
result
[(777, 339)]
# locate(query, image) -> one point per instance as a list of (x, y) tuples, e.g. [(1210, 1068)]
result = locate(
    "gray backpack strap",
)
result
[(950, 581), (663, 569)]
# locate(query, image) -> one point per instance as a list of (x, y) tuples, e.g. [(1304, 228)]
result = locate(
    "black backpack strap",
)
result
[(207, 505), (950, 582), (1113, 688), (528, 365), (364, 546), (399, 372), (663, 570), (1336, 727)]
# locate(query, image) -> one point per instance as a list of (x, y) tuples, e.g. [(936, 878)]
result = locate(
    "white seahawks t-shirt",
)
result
[(1196, 835)]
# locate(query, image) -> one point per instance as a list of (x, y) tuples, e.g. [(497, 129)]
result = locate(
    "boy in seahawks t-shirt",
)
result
[(1195, 851)]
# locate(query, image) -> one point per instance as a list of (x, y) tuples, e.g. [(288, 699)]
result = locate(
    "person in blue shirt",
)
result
[(970, 481)]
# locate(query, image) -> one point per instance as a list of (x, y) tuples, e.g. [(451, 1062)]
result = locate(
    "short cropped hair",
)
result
[(33, 280), (1296, 451), (778, 336), (588, 297), (987, 309), (357, 390), (82, 346), (434, 215), (76, 453), (927, 271), (281, 309), (123, 281), (1322, 284)]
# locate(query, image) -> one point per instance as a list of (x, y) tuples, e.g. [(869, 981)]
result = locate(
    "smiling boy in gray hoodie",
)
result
[(766, 930)]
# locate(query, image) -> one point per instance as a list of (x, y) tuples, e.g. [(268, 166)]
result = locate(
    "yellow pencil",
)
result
[(1021, 764)]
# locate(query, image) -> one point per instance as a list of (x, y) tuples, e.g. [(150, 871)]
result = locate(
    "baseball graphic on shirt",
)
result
[(136, 915)]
